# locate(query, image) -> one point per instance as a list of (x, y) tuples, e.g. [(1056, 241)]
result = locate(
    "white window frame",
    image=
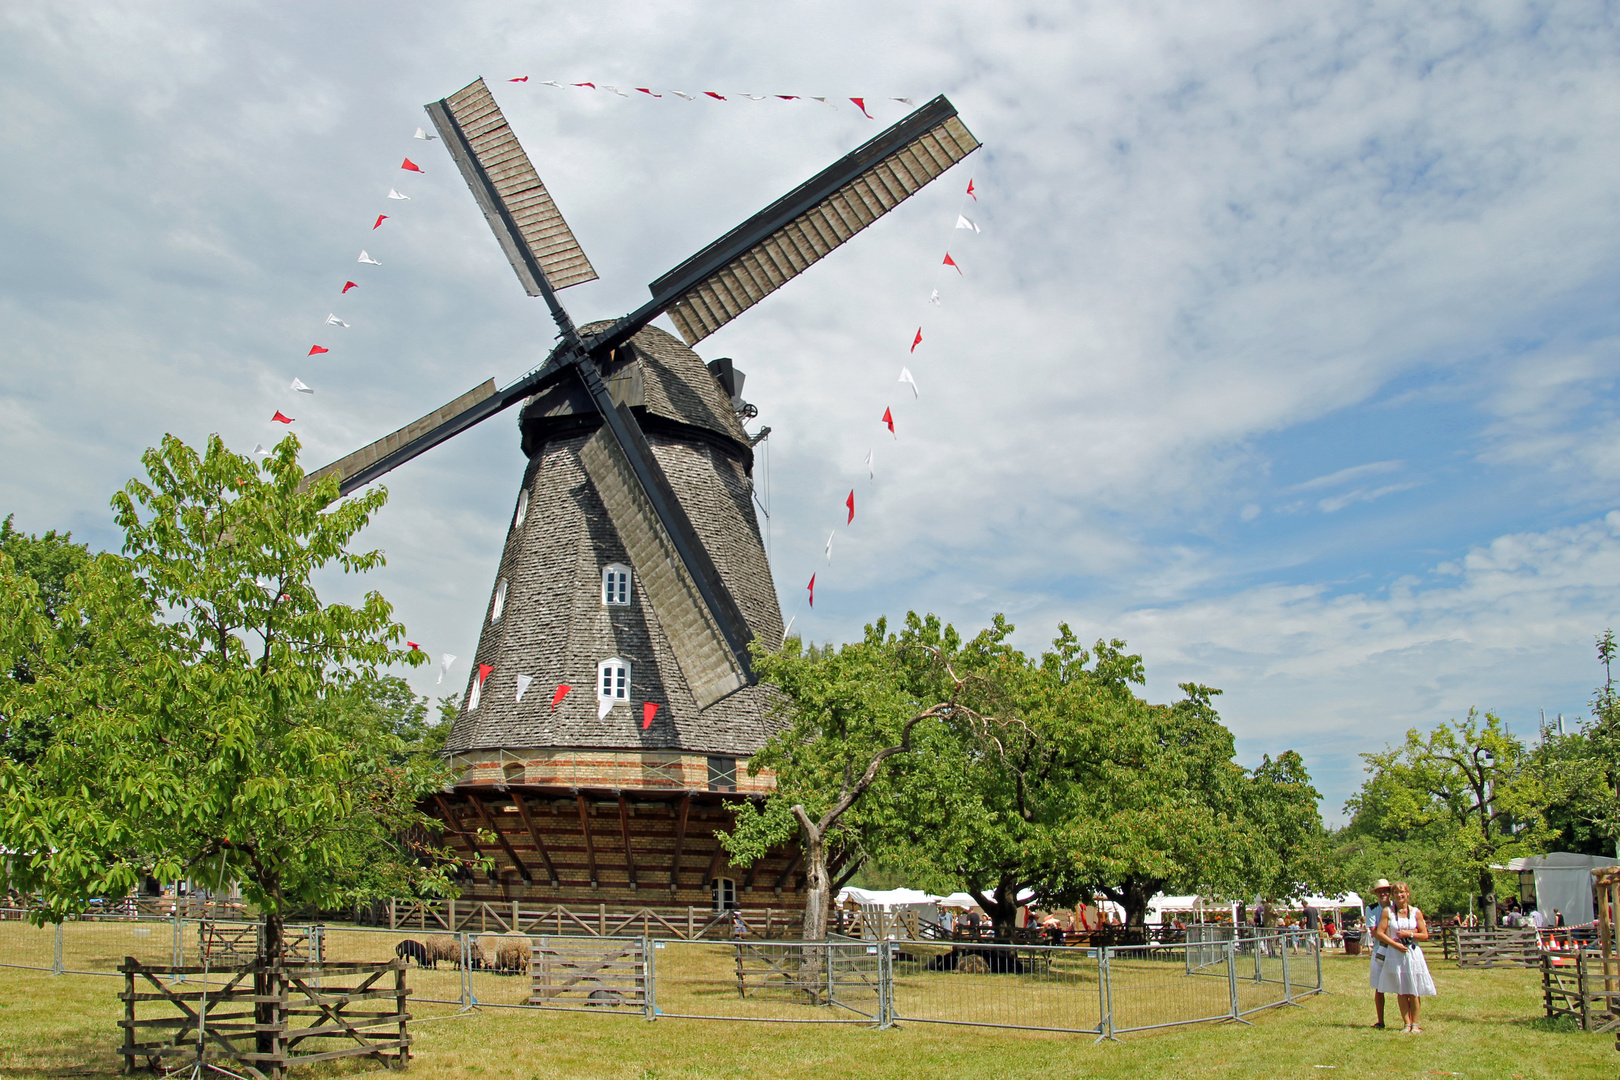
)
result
[(616, 590), (475, 693), (522, 514), (498, 606), (618, 689), (723, 893)]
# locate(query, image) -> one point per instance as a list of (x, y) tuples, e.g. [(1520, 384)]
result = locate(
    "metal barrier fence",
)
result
[(1103, 992)]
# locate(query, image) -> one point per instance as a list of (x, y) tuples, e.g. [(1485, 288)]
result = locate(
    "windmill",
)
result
[(633, 571)]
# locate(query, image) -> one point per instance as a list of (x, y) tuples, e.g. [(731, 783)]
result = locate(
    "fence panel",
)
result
[(1154, 986), (783, 982), (435, 959), (24, 945), (97, 946), (1046, 987)]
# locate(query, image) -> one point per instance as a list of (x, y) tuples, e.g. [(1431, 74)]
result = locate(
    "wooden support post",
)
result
[(534, 835), (590, 846), (454, 821), (685, 808), (748, 882), (500, 838), (624, 830), (714, 864), (450, 910), (781, 879)]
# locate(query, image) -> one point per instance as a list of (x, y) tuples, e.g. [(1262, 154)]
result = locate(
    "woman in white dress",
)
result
[(1405, 973)]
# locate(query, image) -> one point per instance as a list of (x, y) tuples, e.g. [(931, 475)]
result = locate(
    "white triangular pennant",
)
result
[(551, 82), (614, 90), (393, 194), (933, 297), (870, 475), (962, 222), (523, 682), (789, 627), (902, 100), (259, 449), (829, 544), (906, 377), (298, 385), (681, 94), (333, 320), (603, 707), (367, 259), (425, 137), (444, 665)]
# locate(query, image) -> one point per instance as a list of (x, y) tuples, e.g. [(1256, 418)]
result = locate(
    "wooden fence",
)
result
[(587, 974), (1582, 985), (261, 1018), (1488, 948), (688, 923)]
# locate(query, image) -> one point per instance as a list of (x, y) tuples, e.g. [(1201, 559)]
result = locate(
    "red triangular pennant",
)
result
[(589, 84), (278, 418), (970, 189), (414, 646), (382, 218), (850, 502), (347, 285), (648, 711), (521, 78), (788, 97), (648, 92), (812, 588), (888, 418), (316, 350), (562, 690), (717, 97), (410, 166), (483, 672), (950, 262), (916, 341), (860, 103)]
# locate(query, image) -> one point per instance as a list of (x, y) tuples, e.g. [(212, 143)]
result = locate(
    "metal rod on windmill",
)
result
[(706, 628)]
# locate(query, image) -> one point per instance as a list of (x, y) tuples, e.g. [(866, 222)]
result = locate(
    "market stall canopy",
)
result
[(1563, 883)]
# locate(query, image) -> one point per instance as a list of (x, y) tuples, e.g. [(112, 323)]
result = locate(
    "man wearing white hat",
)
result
[(1374, 912)]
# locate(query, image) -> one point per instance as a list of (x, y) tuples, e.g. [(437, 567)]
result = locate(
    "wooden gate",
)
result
[(1488, 948), (589, 972)]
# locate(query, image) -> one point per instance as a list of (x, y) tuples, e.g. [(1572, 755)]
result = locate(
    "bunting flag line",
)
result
[(299, 385), (950, 262), (393, 194), (850, 502), (333, 320), (347, 285), (380, 219), (963, 222), (366, 259), (424, 136), (410, 166), (648, 711), (444, 664), (562, 692), (888, 418), (860, 103), (906, 377), (603, 707), (483, 672), (812, 588), (278, 418), (916, 341), (523, 682), (316, 350)]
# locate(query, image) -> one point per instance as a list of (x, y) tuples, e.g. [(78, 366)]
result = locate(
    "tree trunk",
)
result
[(1487, 898), (267, 980), (1003, 909), (818, 882)]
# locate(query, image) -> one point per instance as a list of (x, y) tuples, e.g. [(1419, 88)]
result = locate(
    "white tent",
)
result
[(1563, 883), (887, 899), (958, 900)]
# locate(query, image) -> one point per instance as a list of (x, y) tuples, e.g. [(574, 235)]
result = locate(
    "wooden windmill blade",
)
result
[(783, 240), (531, 230)]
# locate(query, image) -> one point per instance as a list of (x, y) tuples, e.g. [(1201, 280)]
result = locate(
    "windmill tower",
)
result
[(633, 572)]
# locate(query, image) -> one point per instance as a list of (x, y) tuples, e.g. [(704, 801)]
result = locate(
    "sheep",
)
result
[(414, 950), (443, 947), (513, 955)]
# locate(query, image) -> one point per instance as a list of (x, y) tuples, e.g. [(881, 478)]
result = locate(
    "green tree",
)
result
[(1580, 771), (1465, 791), (216, 720), (49, 563)]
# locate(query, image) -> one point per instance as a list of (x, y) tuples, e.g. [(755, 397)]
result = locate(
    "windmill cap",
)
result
[(1381, 883)]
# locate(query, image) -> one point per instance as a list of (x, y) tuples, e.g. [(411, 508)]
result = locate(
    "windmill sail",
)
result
[(369, 462), (530, 228), (780, 242)]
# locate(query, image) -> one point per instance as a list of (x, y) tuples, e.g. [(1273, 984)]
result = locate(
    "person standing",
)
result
[(1375, 912), (1405, 973)]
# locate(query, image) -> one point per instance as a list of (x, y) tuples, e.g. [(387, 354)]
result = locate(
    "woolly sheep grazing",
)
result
[(513, 955), (413, 950), (443, 947)]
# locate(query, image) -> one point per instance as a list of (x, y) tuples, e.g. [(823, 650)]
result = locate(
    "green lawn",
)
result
[(1485, 1024)]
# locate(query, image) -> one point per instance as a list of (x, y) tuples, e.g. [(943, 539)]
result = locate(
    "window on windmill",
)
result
[(722, 774), (499, 605), (616, 585), (724, 892), (613, 680), (523, 509), (473, 695)]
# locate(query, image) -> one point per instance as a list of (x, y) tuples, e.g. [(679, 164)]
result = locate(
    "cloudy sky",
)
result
[(1286, 351)]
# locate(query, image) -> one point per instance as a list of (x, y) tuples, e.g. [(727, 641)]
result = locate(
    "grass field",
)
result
[(1485, 1024)]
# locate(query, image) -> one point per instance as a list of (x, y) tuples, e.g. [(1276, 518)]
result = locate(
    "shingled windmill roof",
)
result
[(554, 627)]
